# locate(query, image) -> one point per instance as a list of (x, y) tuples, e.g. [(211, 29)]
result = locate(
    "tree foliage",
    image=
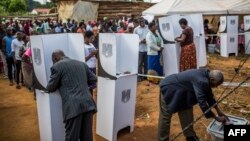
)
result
[(4, 4), (21, 6), (17, 6)]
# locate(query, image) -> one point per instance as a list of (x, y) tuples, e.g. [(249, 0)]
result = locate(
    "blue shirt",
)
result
[(8, 41)]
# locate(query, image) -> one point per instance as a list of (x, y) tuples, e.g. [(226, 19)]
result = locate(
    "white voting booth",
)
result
[(229, 35), (247, 33), (49, 106), (170, 29), (117, 80)]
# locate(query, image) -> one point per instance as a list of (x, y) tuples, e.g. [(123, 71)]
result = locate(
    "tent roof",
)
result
[(236, 6), (207, 7)]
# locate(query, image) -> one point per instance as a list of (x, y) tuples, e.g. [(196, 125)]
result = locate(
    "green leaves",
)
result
[(17, 6)]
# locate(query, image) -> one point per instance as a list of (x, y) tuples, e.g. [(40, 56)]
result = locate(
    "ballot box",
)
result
[(247, 33), (49, 106), (216, 129), (170, 29), (229, 35), (117, 81)]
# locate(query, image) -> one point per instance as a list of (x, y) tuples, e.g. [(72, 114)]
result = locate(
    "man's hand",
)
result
[(161, 48), (95, 52), (220, 113), (221, 119), (143, 41)]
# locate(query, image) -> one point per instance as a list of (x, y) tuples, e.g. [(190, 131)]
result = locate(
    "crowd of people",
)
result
[(189, 87)]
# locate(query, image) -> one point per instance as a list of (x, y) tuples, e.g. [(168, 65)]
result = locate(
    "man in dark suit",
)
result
[(180, 92), (71, 78)]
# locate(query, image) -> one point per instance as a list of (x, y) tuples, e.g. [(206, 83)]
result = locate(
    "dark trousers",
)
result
[(79, 127), (10, 65), (92, 86), (18, 72), (185, 116), (143, 63)]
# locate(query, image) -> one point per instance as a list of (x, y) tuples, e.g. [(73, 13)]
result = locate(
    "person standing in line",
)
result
[(16, 45), (180, 92), (45, 26), (130, 28), (188, 51), (154, 49), (6, 44), (71, 78), (96, 37), (90, 55), (142, 31), (2, 54), (81, 28)]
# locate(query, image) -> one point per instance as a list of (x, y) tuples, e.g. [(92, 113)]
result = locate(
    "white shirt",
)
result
[(46, 27), (88, 50), (89, 28), (152, 46), (15, 47), (58, 29), (142, 32)]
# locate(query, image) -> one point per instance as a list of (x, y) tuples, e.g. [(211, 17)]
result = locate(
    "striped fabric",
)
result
[(71, 78)]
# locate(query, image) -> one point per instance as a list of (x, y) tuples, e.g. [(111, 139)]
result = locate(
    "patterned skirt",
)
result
[(188, 57)]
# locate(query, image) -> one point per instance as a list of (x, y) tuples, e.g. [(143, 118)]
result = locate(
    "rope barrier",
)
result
[(209, 35)]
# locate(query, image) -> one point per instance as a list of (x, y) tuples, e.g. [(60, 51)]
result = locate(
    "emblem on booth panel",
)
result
[(223, 22), (247, 21), (107, 49), (165, 27), (126, 95), (231, 40), (232, 22), (37, 56)]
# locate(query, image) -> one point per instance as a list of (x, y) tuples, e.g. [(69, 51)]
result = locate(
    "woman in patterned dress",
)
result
[(188, 51)]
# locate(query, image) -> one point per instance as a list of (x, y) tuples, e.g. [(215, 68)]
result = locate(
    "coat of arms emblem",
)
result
[(126, 95), (37, 56), (107, 49)]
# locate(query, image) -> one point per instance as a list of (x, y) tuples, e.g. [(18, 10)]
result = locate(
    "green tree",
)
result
[(2, 9), (4, 4), (17, 6)]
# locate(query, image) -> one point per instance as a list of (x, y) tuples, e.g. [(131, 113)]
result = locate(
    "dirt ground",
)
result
[(19, 122)]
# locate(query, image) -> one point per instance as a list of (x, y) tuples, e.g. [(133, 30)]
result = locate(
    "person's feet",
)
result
[(5, 76), (11, 83), (18, 86)]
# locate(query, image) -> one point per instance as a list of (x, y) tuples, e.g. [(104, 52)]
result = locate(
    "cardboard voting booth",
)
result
[(199, 36), (247, 23), (247, 33), (229, 35), (117, 80), (170, 29), (49, 106)]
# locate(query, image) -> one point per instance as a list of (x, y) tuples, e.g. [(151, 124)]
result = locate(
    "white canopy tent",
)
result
[(205, 7)]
